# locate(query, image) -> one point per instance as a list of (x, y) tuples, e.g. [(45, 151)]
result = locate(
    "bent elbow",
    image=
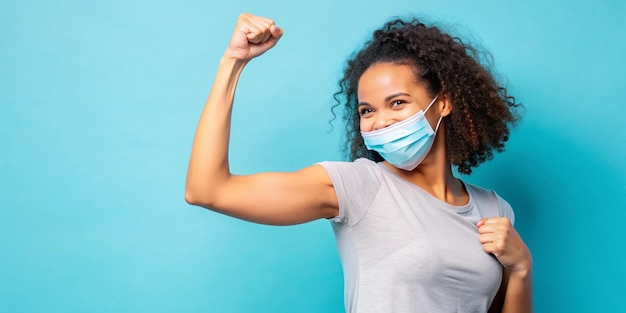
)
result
[(194, 198), (190, 198)]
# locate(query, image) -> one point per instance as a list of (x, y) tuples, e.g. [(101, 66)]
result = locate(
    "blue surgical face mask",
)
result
[(404, 144)]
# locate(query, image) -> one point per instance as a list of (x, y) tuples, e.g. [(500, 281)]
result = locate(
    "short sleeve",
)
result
[(505, 209), (356, 185)]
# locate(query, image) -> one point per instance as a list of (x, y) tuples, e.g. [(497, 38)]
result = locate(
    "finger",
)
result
[(260, 30), (481, 222), (256, 18), (496, 224), (491, 229), (493, 249), (276, 32), (248, 18), (254, 34), (266, 36), (498, 220), (493, 242), (258, 36), (486, 238)]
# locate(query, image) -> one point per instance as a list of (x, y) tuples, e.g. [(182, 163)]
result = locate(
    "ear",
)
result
[(444, 104)]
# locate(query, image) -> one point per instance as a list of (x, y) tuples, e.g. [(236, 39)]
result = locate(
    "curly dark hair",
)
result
[(482, 110)]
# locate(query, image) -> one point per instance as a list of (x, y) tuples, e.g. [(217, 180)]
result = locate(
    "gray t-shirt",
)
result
[(403, 250)]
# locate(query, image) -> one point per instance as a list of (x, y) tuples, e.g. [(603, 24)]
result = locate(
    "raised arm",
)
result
[(268, 198)]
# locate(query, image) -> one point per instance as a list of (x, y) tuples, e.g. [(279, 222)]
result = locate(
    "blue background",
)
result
[(98, 105)]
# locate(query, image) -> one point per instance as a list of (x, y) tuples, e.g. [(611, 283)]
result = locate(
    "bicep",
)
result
[(278, 198)]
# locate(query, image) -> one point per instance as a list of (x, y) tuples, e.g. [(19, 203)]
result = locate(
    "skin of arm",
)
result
[(499, 237), (308, 194), (267, 198)]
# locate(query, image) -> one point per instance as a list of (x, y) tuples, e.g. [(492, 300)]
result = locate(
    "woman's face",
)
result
[(388, 93)]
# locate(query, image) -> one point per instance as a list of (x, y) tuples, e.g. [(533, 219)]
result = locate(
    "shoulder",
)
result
[(488, 196), (359, 168), (362, 174), (355, 184), (358, 162)]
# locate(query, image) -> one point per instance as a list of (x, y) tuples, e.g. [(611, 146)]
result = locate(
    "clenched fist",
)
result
[(498, 237), (253, 36)]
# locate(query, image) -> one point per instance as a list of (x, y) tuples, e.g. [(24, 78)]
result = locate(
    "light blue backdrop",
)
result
[(98, 106)]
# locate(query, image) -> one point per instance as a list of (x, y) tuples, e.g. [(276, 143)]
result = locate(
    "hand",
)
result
[(253, 36), (499, 237)]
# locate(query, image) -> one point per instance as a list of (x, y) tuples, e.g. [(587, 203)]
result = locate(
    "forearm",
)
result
[(208, 164), (518, 297)]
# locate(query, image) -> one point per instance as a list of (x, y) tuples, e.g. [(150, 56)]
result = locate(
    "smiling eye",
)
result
[(396, 103), (365, 111)]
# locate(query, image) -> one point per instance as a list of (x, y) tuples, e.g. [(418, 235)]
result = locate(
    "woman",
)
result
[(411, 236)]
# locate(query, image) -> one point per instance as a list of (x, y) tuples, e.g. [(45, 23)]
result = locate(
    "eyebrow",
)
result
[(389, 97)]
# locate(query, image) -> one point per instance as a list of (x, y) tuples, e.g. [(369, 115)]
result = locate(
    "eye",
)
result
[(397, 102), (365, 110)]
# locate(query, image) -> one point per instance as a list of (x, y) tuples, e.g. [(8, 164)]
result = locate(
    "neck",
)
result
[(434, 175)]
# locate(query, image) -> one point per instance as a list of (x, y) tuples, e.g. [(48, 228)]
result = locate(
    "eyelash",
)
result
[(397, 102), (364, 111)]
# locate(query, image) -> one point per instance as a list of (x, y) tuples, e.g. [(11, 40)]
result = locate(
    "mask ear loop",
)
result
[(440, 118), (431, 103), (439, 122)]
